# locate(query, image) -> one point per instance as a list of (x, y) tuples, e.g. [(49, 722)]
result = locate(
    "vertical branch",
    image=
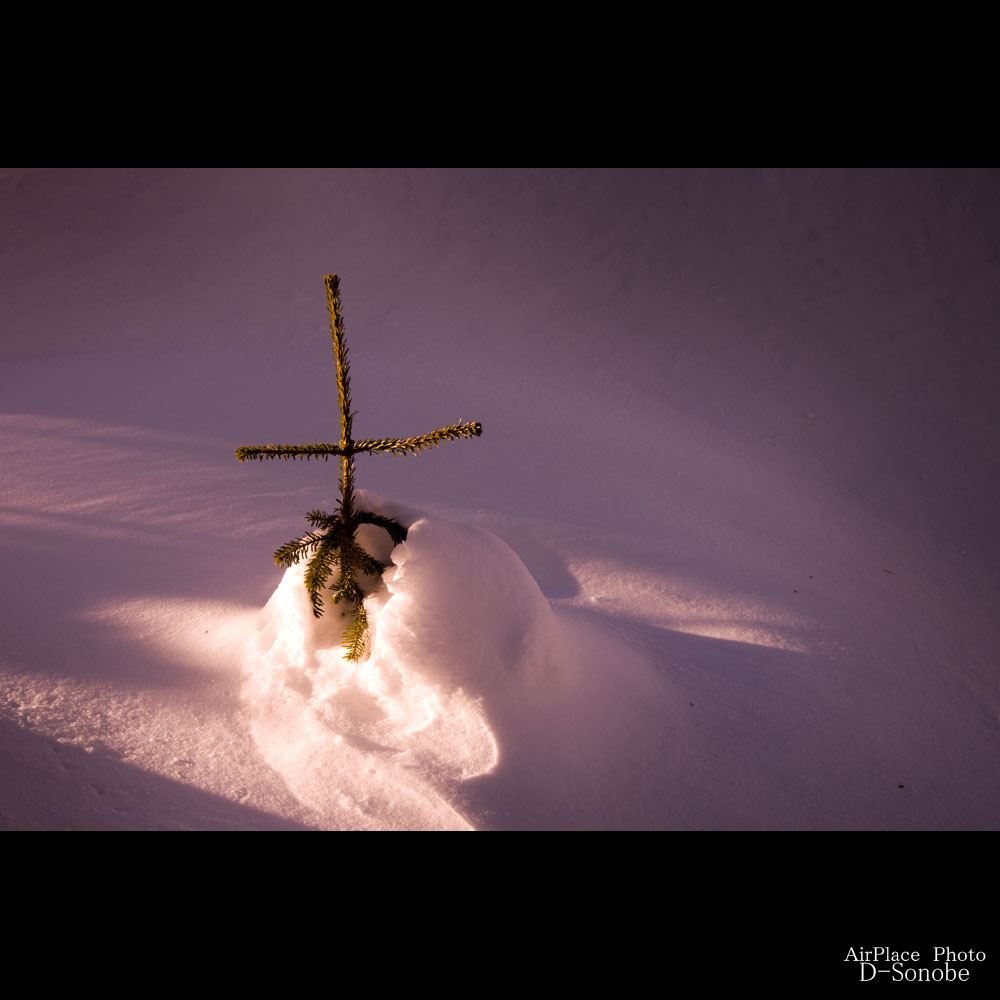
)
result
[(332, 283)]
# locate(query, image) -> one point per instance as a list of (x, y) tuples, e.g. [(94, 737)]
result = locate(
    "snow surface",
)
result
[(724, 557)]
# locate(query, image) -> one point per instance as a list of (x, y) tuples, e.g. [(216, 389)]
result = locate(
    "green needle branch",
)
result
[(335, 543)]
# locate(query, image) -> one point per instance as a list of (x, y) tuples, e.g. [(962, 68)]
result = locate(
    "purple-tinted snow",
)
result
[(724, 556)]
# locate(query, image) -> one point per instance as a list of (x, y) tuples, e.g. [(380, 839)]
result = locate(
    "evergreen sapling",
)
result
[(334, 542)]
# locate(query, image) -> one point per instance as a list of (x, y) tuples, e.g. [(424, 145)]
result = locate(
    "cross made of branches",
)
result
[(335, 542)]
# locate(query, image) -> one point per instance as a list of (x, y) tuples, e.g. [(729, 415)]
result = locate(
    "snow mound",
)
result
[(384, 743), (475, 693)]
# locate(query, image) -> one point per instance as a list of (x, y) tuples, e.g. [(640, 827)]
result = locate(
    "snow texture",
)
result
[(724, 558)]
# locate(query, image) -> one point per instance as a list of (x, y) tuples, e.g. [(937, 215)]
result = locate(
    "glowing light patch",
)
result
[(369, 745)]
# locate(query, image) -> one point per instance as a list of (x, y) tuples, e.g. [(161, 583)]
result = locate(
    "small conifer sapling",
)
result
[(334, 542)]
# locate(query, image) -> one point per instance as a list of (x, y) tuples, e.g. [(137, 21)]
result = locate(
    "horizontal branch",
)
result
[(372, 446), (290, 451), (413, 445)]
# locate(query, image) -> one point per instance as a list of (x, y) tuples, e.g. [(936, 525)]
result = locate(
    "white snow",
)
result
[(724, 557)]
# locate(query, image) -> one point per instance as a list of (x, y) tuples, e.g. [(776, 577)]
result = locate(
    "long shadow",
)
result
[(47, 785), (727, 735)]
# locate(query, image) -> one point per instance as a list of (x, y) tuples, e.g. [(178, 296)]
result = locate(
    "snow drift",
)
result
[(471, 675), (740, 448)]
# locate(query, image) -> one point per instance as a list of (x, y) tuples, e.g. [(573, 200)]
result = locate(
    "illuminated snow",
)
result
[(724, 557)]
